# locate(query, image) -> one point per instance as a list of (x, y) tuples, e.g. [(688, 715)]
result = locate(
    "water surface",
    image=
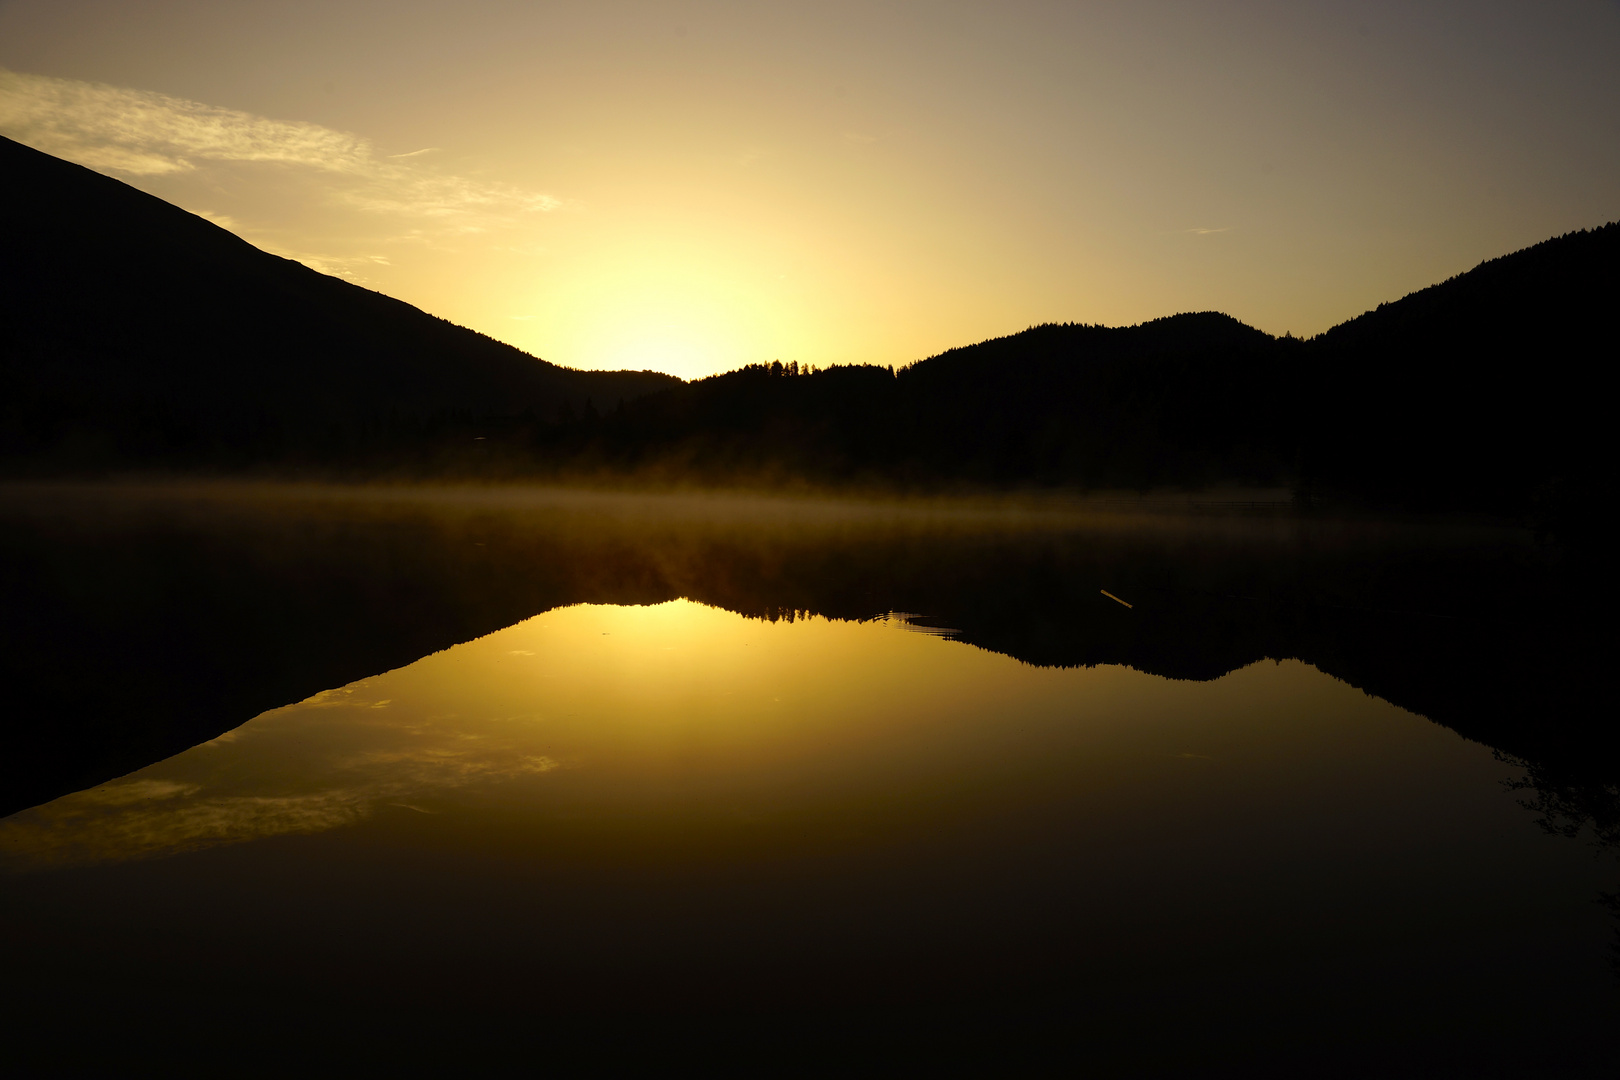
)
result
[(851, 783)]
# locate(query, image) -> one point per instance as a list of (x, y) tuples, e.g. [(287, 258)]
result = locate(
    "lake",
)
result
[(440, 777)]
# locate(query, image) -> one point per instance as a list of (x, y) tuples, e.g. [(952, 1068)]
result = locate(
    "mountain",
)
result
[(1492, 385), (1486, 392), (1190, 399), (133, 332)]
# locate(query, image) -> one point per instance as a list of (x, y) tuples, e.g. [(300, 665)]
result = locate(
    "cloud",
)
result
[(444, 196), (342, 266), (1209, 232), (124, 821), (143, 133), (224, 221), (146, 816)]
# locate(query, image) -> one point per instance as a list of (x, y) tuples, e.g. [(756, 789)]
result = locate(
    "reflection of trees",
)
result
[(142, 627), (132, 629), (1576, 804)]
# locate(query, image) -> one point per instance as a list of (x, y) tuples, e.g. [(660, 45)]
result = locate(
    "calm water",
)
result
[(792, 785)]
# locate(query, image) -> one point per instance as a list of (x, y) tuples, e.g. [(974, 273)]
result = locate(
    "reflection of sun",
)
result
[(673, 693)]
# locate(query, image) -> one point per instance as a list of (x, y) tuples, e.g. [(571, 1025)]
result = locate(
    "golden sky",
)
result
[(694, 186)]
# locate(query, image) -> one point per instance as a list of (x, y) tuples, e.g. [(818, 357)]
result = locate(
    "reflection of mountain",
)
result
[(132, 331), (133, 629)]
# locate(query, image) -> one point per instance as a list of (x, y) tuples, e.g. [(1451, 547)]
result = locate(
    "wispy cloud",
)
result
[(146, 816), (348, 267), (142, 133), (1209, 232), (224, 221), (145, 133)]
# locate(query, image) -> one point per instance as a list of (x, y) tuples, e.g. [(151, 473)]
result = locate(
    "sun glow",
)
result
[(605, 192), (670, 310)]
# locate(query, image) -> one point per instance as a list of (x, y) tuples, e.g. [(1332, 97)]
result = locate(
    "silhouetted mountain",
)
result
[(1485, 392), (1189, 399), (1490, 387), (136, 333), (133, 332)]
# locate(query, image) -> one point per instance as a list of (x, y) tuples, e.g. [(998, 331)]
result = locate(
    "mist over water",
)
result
[(702, 764)]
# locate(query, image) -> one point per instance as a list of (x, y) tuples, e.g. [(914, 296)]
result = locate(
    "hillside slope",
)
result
[(133, 331), (1493, 385), (1189, 399), (1486, 392)]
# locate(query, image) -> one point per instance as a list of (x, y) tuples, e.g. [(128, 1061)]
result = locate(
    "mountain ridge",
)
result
[(157, 333), (138, 335), (1483, 392)]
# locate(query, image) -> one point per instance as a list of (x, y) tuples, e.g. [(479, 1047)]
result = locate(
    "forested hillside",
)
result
[(1186, 400), (134, 333), (137, 335), (1486, 392), (1496, 382)]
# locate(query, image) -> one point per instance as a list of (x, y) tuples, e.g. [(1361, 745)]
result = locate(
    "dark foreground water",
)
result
[(302, 779)]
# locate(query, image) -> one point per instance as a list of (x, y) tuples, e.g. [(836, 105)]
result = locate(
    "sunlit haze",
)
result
[(692, 187)]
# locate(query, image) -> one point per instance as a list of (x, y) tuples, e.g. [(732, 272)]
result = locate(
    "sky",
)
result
[(690, 187)]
